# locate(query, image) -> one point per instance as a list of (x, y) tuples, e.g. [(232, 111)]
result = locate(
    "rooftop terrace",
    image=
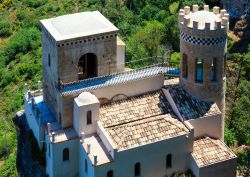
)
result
[(78, 25)]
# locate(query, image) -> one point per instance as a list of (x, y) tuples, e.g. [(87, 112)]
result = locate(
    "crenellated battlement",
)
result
[(203, 22)]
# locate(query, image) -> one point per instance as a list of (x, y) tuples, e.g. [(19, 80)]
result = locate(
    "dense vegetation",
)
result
[(148, 27)]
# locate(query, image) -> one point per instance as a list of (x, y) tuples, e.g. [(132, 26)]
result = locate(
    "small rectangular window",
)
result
[(49, 148), (89, 117), (137, 169), (169, 161), (65, 154), (86, 166), (49, 59)]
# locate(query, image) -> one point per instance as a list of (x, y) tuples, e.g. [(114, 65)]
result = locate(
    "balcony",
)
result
[(37, 114)]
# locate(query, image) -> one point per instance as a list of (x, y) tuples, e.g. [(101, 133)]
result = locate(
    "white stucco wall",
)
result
[(68, 168), (220, 169), (132, 88), (82, 156), (107, 141), (49, 157), (152, 158), (38, 131), (208, 126), (80, 118)]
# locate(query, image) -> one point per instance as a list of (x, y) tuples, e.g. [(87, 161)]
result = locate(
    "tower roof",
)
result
[(204, 19), (78, 25)]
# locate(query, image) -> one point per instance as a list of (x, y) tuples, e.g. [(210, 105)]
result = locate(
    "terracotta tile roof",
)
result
[(134, 108), (208, 151), (191, 107), (146, 131)]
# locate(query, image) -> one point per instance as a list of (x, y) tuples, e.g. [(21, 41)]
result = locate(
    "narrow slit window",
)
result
[(169, 161), (65, 154), (89, 117), (225, 64), (49, 60), (137, 169), (213, 70), (184, 66), (199, 70), (86, 166), (110, 173)]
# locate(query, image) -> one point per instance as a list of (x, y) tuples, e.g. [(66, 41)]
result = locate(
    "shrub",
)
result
[(5, 29), (20, 15), (229, 137), (35, 3), (24, 41)]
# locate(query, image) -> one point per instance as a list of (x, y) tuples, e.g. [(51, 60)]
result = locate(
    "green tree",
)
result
[(150, 37)]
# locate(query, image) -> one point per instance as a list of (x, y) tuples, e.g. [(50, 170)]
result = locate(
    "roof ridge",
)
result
[(134, 97), (139, 121), (173, 122)]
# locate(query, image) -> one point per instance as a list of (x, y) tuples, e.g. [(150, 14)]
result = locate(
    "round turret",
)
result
[(203, 47)]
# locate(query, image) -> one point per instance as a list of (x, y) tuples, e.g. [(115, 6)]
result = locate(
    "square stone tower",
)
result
[(76, 47)]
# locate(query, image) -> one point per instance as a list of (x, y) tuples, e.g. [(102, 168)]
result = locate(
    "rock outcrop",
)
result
[(29, 160)]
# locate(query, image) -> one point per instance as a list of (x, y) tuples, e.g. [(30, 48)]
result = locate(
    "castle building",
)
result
[(98, 118)]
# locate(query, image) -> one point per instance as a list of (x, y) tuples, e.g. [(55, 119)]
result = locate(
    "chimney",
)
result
[(39, 86), (88, 148), (82, 136), (53, 137)]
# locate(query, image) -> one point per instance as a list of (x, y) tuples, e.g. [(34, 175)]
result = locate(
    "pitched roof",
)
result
[(134, 108), (146, 131), (140, 120), (207, 151), (191, 107)]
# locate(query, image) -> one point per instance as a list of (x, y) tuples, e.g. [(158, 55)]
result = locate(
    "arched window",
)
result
[(65, 154), (184, 66), (48, 59), (169, 161), (89, 117), (199, 70), (110, 173), (214, 70), (86, 166), (137, 169)]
